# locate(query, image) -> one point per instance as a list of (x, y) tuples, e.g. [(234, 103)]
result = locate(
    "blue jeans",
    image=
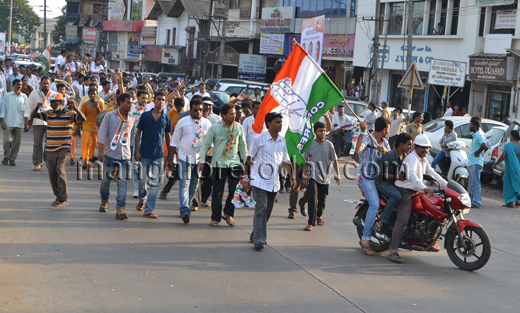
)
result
[(188, 184), (108, 175), (394, 196), (474, 183), (152, 177), (137, 175), (370, 190), (438, 158)]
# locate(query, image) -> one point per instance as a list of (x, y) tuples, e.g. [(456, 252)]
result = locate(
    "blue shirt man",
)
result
[(154, 127), (476, 161)]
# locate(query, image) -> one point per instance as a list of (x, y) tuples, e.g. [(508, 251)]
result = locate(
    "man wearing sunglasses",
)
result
[(188, 136)]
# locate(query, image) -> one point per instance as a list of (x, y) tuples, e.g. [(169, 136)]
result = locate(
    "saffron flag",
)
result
[(45, 58), (302, 92)]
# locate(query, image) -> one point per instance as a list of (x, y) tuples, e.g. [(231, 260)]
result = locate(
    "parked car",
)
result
[(171, 76), (219, 98), (152, 76), (499, 169), (241, 86), (27, 63), (211, 83)]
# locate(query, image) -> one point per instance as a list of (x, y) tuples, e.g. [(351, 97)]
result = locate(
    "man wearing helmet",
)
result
[(414, 167)]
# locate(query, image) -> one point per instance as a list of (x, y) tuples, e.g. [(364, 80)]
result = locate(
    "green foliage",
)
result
[(25, 20), (137, 10), (59, 33)]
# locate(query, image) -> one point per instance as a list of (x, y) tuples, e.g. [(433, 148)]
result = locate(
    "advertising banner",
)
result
[(278, 20), (252, 67), (71, 31), (312, 37), (133, 41), (116, 10), (494, 2), (505, 19), (447, 73), (272, 43), (89, 36)]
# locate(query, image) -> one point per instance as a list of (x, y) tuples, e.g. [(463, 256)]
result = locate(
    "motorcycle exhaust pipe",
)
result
[(361, 223)]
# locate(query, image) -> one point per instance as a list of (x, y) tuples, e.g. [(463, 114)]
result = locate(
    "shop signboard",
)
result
[(122, 45), (278, 20), (506, 20), (149, 35), (230, 57), (447, 73), (341, 46), (493, 2), (488, 69), (153, 53), (89, 36), (71, 31), (312, 37), (133, 41), (272, 43), (116, 9), (252, 67), (170, 56), (123, 26), (139, 49)]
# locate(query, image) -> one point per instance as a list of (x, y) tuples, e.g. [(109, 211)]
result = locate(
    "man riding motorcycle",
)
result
[(414, 166)]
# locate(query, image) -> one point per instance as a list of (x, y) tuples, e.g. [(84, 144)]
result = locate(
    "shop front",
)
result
[(493, 81)]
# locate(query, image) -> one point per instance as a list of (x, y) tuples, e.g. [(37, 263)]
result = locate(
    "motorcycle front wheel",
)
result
[(464, 182), (376, 244), (477, 251)]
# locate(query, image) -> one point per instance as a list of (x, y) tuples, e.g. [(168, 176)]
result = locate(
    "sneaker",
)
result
[(186, 218), (120, 213), (303, 209), (5, 161), (103, 208), (37, 167), (259, 246), (12, 163), (136, 195), (291, 215)]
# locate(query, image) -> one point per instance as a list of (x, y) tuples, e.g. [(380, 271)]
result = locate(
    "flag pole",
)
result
[(359, 120)]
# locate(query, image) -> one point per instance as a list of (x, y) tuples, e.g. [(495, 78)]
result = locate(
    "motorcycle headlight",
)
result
[(466, 201)]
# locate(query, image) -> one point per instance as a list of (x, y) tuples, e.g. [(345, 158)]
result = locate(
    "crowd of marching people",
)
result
[(140, 131)]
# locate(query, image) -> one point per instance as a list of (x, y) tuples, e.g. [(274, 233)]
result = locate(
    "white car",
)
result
[(435, 129)]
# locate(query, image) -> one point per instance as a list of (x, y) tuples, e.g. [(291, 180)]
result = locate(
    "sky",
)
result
[(53, 7)]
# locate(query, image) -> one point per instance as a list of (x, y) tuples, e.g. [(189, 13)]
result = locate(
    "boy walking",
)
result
[(319, 155), (154, 127), (117, 129)]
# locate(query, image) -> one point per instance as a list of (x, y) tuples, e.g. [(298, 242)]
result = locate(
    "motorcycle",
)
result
[(453, 167), (437, 217)]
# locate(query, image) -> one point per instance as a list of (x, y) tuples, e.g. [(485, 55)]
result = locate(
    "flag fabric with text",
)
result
[(45, 58), (302, 92)]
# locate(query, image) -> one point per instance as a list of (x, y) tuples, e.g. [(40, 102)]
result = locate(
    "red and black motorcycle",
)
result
[(433, 218)]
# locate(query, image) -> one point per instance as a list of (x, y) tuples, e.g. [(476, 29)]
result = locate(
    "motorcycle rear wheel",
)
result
[(376, 244), (474, 238)]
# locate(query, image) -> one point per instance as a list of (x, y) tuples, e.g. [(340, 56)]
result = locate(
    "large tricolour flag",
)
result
[(45, 58), (302, 92)]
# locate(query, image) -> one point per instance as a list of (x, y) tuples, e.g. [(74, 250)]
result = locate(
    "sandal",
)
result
[(319, 221), (366, 248), (140, 206), (394, 257), (207, 204), (509, 205), (308, 228), (151, 215), (214, 223), (378, 226), (229, 220), (517, 203)]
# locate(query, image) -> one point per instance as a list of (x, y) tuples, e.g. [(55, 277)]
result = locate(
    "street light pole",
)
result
[(44, 24), (10, 25), (223, 40)]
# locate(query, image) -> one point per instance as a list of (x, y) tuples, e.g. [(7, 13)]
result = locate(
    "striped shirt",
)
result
[(59, 129)]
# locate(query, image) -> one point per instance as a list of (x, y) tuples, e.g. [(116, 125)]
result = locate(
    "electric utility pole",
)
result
[(409, 31), (375, 55), (10, 25), (223, 39), (44, 24)]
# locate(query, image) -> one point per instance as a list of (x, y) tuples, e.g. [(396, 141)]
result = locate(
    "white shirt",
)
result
[(186, 103), (96, 69), (76, 84), (53, 87), (205, 94), (3, 89), (60, 60), (70, 67), (32, 102), (33, 82), (267, 155), (133, 82), (449, 112), (183, 136), (395, 125), (340, 121), (467, 115), (249, 133), (416, 168), (214, 118)]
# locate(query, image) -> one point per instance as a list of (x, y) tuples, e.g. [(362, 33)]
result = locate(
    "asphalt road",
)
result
[(75, 259)]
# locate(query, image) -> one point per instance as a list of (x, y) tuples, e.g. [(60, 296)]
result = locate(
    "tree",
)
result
[(25, 20), (137, 10), (59, 33)]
